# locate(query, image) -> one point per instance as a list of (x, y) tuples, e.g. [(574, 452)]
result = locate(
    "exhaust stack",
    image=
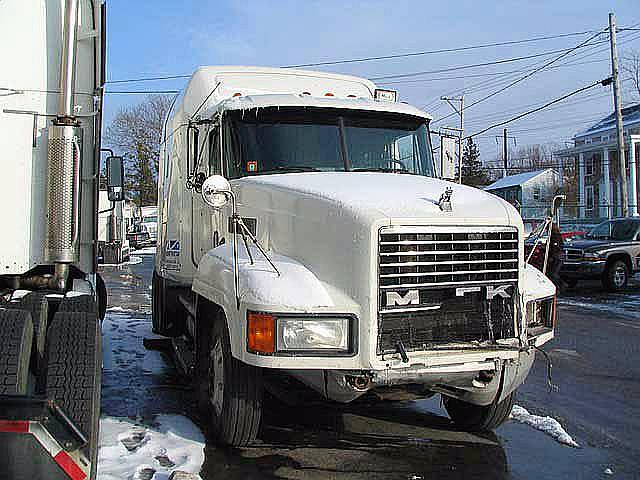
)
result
[(64, 161)]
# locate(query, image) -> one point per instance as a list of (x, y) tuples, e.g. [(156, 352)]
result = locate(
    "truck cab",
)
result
[(305, 240)]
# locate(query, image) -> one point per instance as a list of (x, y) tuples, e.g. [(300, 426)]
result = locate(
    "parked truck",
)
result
[(307, 247), (51, 297)]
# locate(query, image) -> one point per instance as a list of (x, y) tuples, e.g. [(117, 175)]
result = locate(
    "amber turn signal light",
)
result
[(261, 332)]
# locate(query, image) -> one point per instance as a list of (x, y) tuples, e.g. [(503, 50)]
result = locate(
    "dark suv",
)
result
[(610, 252)]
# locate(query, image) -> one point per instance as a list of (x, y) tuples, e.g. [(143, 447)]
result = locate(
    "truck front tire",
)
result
[(476, 418), (234, 392)]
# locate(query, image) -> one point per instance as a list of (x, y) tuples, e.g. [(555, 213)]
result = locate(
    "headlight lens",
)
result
[(307, 334)]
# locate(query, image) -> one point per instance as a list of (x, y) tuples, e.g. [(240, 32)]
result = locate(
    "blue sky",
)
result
[(148, 38)]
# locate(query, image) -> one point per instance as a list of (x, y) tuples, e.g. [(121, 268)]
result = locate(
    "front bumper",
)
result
[(582, 270), (479, 379)]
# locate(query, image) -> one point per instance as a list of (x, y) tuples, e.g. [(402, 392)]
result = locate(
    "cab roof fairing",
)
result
[(210, 88), (256, 102)]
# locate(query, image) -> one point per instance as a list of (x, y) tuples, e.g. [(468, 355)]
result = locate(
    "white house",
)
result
[(599, 177)]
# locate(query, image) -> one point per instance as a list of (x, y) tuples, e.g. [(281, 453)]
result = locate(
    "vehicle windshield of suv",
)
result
[(615, 230), (326, 140)]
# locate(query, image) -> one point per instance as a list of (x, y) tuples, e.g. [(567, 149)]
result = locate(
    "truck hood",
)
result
[(375, 196)]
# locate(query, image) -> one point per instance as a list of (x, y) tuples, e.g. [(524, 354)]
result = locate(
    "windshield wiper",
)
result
[(383, 169), (291, 169)]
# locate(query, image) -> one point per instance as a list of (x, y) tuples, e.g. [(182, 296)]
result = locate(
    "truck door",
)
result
[(205, 229)]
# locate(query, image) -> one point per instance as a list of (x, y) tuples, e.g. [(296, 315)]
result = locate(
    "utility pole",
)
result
[(505, 151), (460, 112), (617, 103)]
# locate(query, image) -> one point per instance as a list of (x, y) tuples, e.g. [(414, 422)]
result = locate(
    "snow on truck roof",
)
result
[(241, 88)]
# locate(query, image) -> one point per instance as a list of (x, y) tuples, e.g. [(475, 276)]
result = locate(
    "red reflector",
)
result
[(13, 426), (69, 466)]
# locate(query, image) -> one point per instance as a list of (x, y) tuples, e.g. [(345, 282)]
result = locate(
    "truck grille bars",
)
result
[(445, 285)]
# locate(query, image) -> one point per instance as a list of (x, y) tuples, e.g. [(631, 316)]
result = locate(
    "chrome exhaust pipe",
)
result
[(64, 162)]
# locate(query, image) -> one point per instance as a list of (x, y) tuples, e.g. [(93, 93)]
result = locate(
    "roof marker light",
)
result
[(237, 94), (329, 94), (306, 93), (351, 95)]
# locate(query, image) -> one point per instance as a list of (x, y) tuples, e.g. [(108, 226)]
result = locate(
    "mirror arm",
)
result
[(245, 232)]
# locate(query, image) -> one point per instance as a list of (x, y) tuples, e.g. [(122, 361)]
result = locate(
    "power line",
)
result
[(533, 72), (474, 65), (443, 50), (604, 82)]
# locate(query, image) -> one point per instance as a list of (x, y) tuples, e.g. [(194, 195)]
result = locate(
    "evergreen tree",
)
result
[(473, 171)]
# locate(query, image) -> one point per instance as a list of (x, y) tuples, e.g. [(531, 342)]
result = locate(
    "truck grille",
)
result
[(443, 285)]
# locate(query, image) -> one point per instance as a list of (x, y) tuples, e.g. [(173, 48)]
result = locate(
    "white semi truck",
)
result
[(305, 244), (51, 297)]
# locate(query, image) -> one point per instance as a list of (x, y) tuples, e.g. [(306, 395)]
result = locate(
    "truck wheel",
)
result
[(36, 303), (16, 339), (616, 276), (74, 363), (478, 418), (234, 392)]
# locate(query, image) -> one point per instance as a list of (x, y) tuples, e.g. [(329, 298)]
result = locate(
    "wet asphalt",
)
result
[(595, 366)]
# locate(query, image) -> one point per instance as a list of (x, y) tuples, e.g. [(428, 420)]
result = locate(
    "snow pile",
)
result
[(128, 448), (145, 251), (548, 425)]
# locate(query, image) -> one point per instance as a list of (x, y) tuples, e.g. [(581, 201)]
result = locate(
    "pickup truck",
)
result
[(610, 252)]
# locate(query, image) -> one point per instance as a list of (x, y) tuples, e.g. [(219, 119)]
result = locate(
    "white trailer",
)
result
[(306, 243), (51, 298)]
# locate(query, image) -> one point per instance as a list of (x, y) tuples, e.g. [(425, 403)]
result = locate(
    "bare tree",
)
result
[(136, 132), (630, 66)]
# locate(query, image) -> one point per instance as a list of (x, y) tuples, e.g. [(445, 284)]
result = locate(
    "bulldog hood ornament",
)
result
[(445, 200)]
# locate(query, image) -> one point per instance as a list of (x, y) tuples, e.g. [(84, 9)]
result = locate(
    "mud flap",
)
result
[(37, 440)]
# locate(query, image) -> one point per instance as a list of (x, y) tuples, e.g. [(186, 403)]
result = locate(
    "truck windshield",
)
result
[(281, 141)]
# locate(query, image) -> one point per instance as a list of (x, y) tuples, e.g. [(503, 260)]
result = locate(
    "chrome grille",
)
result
[(437, 286), (438, 257)]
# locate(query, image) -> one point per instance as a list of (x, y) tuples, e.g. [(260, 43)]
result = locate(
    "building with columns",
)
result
[(595, 153)]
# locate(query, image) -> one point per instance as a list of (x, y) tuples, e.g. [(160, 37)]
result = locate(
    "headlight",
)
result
[(291, 334), (541, 314), (593, 256), (299, 334)]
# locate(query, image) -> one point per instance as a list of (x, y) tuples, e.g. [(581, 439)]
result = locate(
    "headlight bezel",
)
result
[(280, 351), (537, 307), (593, 257)]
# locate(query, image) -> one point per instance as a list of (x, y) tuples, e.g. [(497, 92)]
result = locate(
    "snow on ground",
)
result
[(548, 425), (145, 251), (130, 450)]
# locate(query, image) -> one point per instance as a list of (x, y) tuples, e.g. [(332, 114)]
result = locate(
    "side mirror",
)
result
[(216, 191), (115, 179)]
